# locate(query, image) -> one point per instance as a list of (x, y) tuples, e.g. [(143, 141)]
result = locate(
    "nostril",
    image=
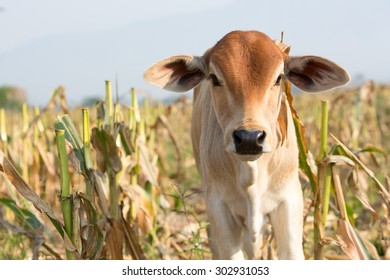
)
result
[(261, 137), (237, 138)]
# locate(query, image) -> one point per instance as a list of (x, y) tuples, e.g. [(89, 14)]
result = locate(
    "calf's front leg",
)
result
[(224, 233), (287, 222)]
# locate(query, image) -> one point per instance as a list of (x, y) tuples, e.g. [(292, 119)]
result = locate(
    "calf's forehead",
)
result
[(247, 57)]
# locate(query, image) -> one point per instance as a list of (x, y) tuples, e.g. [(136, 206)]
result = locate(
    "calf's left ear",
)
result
[(314, 74)]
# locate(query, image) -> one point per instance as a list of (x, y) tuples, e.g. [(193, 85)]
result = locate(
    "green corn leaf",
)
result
[(24, 217), (71, 135)]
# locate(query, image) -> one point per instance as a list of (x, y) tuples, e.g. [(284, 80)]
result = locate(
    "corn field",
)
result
[(118, 181)]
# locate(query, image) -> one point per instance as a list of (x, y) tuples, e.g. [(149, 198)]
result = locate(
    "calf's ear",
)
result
[(314, 74), (177, 73)]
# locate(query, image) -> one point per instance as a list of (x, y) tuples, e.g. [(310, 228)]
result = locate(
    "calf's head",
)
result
[(243, 74)]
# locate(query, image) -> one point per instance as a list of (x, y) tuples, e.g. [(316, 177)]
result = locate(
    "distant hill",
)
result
[(12, 97)]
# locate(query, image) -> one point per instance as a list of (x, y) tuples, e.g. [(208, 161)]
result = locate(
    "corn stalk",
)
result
[(66, 201)]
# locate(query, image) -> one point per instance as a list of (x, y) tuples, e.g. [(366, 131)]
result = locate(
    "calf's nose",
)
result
[(249, 141)]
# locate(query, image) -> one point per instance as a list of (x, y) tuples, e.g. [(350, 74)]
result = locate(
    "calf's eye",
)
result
[(278, 80), (214, 80)]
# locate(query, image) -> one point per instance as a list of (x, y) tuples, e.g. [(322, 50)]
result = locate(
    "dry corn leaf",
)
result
[(149, 169), (126, 136), (47, 159), (76, 223), (58, 96), (359, 194), (143, 206), (114, 239), (337, 160), (107, 153), (25, 190), (97, 186), (290, 99), (299, 127), (72, 158), (352, 245), (22, 187), (282, 119), (92, 239), (132, 243), (92, 236), (385, 194), (369, 246), (304, 154)]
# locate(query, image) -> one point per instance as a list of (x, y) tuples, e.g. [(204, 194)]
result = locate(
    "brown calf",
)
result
[(244, 139)]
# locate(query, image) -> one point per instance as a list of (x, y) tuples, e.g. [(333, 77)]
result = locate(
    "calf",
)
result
[(244, 139)]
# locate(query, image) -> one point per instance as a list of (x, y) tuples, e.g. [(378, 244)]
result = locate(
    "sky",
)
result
[(81, 43)]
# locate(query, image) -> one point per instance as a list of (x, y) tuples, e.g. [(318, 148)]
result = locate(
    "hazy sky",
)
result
[(81, 43), (26, 20)]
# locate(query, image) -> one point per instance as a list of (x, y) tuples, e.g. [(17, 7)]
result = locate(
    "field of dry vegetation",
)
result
[(118, 181)]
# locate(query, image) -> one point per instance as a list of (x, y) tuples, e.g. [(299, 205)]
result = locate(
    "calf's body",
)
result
[(241, 195), (244, 139)]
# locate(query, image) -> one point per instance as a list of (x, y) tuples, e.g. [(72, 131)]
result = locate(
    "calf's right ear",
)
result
[(177, 73)]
